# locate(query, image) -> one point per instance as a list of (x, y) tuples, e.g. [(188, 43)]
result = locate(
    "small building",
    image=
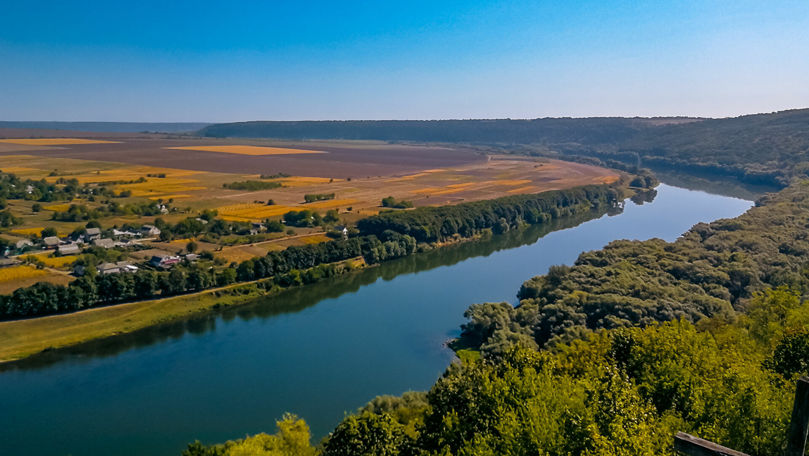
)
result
[(23, 243), (124, 234), (93, 234), (342, 230), (191, 257), (104, 243), (257, 228), (149, 230), (116, 268), (51, 242), (164, 261), (68, 249)]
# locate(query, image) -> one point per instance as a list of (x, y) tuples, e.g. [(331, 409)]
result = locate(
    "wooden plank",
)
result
[(694, 446), (799, 425)]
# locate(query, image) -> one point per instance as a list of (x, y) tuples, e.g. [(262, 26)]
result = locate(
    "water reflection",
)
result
[(297, 299)]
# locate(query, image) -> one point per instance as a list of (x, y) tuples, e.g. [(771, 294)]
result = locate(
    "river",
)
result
[(318, 351)]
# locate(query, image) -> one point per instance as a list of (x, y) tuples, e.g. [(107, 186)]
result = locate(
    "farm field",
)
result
[(15, 277), (248, 183), (192, 175)]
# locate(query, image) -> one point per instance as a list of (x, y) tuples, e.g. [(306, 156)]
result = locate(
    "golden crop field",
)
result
[(251, 212), (330, 204), (158, 187), (123, 174), (55, 262), (54, 141), (20, 272), (166, 197), (17, 169), (304, 181), (511, 182), (28, 231), (248, 150), (57, 207), (315, 239)]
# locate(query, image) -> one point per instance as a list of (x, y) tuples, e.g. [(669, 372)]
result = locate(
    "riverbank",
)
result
[(23, 338), (20, 339)]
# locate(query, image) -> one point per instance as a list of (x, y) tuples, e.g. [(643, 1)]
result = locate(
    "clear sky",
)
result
[(287, 60)]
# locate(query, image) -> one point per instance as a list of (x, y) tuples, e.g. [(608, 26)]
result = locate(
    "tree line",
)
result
[(305, 264), (440, 223)]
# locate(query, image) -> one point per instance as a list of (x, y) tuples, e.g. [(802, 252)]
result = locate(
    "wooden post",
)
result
[(799, 425), (694, 446)]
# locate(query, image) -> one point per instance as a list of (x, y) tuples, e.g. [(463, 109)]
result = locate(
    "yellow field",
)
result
[(19, 273), (17, 169), (248, 150), (54, 141), (165, 197), (128, 173), (157, 187), (55, 262), (303, 181), (512, 182), (315, 239), (330, 204), (57, 207), (28, 231), (251, 212)]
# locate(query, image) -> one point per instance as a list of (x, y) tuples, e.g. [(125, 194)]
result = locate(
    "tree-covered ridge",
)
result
[(762, 148), (439, 223), (712, 270)]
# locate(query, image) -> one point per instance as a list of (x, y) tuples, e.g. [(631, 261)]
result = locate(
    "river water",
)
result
[(318, 351)]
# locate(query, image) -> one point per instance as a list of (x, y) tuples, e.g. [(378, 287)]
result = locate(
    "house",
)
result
[(149, 230), (23, 243), (93, 234), (51, 242), (68, 249), (342, 230), (123, 234), (104, 243), (257, 228), (116, 268), (164, 261)]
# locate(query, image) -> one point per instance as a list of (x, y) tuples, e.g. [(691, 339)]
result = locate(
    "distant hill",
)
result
[(109, 127), (584, 130), (760, 148)]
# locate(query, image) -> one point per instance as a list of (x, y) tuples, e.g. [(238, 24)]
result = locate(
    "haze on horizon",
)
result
[(214, 62)]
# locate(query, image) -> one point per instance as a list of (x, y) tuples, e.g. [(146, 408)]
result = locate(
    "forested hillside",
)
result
[(616, 392), (761, 148), (711, 271)]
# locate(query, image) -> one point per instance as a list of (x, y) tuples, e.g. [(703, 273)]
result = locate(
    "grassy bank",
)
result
[(23, 338)]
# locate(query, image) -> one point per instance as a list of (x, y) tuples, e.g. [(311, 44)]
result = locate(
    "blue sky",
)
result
[(274, 60)]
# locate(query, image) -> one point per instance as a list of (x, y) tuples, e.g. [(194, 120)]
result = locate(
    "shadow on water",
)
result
[(717, 185), (300, 298)]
